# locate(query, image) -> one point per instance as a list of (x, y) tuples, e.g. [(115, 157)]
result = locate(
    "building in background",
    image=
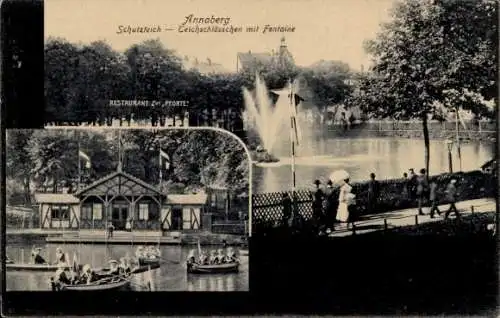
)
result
[(255, 61)]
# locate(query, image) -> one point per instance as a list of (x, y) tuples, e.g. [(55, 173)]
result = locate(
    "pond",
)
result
[(171, 276), (386, 157)]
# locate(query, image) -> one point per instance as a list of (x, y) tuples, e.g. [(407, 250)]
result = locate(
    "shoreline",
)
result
[(123, 238)]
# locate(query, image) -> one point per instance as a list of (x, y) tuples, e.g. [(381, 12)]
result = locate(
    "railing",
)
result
[(230, 227)]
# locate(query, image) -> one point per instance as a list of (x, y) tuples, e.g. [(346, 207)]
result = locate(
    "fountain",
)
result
[(270, 122)]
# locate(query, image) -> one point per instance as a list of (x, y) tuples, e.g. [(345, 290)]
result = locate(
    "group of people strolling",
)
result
[(327, 208), (418, 187), (215, 257)]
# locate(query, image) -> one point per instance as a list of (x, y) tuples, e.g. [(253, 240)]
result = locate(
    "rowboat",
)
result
[(145, 261), (32, 267), (243, 252), (194, 268), (135, 270), (105, 284)]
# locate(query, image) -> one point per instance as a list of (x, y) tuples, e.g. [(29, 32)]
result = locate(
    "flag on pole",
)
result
[(164, 160), (86, 158)]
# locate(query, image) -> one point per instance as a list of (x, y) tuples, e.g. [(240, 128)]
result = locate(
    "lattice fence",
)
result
[(267, 208)]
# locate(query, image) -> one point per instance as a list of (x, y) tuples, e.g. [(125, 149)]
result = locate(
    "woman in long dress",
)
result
[(345, 199)]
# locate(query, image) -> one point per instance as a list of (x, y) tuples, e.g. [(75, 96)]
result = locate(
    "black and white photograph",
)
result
[(326, 157), (141, 210)]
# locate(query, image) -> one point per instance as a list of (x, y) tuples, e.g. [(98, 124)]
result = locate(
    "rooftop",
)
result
[(55, 198)]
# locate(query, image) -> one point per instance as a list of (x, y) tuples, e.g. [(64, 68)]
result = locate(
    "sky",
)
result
[(324, 29)]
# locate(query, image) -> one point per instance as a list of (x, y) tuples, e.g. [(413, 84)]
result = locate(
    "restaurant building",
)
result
[(123, 199)]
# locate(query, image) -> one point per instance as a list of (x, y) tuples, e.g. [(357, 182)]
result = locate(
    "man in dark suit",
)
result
[(287, 209), (373, 194)]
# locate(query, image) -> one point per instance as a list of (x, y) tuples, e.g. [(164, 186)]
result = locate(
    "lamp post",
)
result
[(449, 143)]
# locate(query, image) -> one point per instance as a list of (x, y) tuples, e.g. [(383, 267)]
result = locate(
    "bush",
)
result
[(14, 192), (470, 185)]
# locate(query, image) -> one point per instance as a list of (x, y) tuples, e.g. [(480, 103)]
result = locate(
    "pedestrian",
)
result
[(329, 207), (373, 193), (317, 206), (110, 229), (346, 200), (405, 194), (287, 209), (422, 190), (451, 197), (412, 183), (433, 198)]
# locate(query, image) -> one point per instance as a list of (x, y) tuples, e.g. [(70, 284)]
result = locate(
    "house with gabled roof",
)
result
[(121, 198), (255, 61)]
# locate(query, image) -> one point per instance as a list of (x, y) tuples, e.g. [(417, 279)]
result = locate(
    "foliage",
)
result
[(197, 158), (81, 79), (431, 53)]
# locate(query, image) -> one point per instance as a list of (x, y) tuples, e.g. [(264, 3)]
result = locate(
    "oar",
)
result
[(164, 260)]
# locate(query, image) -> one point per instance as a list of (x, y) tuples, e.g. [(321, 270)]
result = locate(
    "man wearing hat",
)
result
[(330, 209), (451, 197), (317, 206), (37, 258), (287, 209)]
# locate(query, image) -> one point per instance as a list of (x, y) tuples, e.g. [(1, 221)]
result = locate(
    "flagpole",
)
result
[(292, 139), (119, 150), (79, 162), (161, 173), (457, 127)]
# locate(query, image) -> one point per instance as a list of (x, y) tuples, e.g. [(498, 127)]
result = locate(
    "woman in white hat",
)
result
[(60, 256), (221, 258), (114, 269), (88, 275), (345, 200)]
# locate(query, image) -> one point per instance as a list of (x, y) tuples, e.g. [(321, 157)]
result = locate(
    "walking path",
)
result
[(387, 220)]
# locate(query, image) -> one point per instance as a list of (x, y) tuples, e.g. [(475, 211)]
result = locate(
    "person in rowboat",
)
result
[(36, 257), (232, 256), (60, 256), (191, 259), (203, 259), (125, 266), (88, 275), (221, 257), (213, 257), (63, 275), (114, 269)]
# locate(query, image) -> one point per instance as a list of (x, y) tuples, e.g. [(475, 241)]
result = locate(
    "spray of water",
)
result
[(270, 122)]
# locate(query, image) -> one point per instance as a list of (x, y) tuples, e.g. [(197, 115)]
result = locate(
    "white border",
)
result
[(250, 164)]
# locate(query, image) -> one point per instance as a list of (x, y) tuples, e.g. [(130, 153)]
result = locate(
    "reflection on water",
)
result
[(171, 276), (386, 157)]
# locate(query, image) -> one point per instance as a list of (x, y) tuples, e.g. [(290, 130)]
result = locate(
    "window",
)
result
[(60, 212), (86, 212), (143, 211), (97, 211), (186, 218)]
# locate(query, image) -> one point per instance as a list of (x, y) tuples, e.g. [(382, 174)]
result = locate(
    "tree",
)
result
[(327, 82), (18, 164), (417, 62)]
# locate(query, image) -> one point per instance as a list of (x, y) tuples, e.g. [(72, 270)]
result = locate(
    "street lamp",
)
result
[(449, 143)]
